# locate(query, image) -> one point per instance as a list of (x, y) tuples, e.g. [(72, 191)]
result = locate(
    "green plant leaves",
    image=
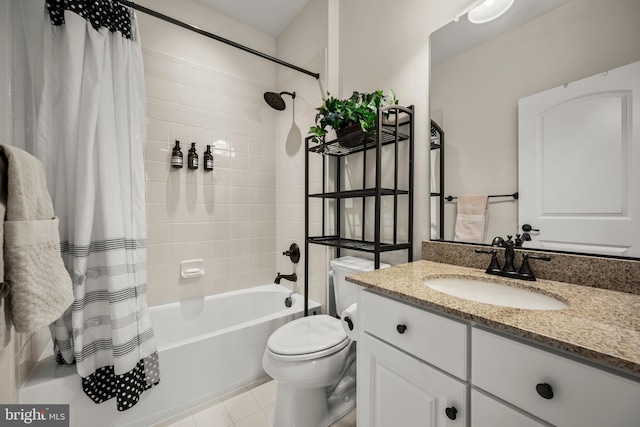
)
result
[(359, 108)]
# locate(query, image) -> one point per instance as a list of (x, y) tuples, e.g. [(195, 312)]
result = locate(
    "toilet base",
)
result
[(311, 407)]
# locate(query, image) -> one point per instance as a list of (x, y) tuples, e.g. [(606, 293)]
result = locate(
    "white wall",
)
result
[(200, 90), (477, 93), (385, 45)]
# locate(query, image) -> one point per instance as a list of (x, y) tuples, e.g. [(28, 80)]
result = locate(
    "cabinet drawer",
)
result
[(488, 412), (579, 394), (428, 336)]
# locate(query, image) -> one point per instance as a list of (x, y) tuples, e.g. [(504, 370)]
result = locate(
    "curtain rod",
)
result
[(216, 37)]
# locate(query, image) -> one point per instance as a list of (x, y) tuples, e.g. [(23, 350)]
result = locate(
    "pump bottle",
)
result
[(208, 159), (176, 156), (193, 157)]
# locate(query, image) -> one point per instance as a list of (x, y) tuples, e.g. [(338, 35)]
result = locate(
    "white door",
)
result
[(579, 163), (395, 389)]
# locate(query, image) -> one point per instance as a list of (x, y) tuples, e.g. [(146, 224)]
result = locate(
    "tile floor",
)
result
[(249, 407)]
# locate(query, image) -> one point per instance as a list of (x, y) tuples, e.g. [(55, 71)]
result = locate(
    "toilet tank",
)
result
[(346, 292)]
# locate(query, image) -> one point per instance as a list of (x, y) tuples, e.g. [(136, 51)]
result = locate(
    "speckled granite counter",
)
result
[(601, 325)]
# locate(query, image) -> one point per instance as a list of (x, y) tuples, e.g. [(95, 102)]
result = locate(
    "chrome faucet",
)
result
[(509, 270), (290, 277)]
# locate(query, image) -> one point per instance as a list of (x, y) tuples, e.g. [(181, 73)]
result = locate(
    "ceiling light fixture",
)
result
[(489, 10)]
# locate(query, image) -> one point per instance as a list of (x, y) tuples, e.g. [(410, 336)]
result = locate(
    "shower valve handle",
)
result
[(293, 253)]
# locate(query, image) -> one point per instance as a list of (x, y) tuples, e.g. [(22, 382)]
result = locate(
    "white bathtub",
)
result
[(207, 347)]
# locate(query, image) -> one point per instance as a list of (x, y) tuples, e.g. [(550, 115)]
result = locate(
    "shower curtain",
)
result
[(90, 135)]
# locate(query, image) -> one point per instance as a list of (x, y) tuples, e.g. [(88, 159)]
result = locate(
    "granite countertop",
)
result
[(601, 325)]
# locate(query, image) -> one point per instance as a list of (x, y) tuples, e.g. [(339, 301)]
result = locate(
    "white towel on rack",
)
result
[(472, 218)]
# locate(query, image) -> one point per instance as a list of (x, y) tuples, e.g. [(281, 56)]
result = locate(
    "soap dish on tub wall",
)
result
[(192, 268)]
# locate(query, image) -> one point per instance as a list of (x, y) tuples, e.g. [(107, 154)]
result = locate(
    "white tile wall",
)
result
[(227, 216)]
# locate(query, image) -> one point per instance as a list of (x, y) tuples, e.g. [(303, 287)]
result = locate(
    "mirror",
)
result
[(480, 72)]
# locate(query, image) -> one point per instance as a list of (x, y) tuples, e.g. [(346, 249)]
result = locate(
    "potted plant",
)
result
[(345, 116)]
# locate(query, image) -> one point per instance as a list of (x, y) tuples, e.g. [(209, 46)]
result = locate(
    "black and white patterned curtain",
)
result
[(91, 122), (99, 13)]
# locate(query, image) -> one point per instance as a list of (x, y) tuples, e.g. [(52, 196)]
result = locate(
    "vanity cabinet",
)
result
[(417, 367), (396, 385)]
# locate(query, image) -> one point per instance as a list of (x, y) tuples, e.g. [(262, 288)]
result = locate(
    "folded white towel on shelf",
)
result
[(471, 219), (37, 284)]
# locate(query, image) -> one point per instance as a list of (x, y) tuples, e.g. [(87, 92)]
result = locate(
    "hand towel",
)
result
[(471, 220), (40, 288)]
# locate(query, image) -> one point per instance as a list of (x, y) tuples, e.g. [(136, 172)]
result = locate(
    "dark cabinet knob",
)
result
[(451, 413), (401, 328), (545, 390)]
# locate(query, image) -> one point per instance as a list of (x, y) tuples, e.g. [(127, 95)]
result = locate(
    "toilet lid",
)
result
[(306, 335)]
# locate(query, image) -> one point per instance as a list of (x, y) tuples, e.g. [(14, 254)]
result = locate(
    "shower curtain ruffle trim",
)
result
[(100, 13), (127, 388)]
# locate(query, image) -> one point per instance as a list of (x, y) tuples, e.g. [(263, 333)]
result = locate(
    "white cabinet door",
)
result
[(395, 389)]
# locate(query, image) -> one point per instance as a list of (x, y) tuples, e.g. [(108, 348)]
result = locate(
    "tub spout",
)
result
[(290, 277)]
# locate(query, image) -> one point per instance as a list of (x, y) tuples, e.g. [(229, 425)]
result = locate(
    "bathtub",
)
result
[(207, 347)]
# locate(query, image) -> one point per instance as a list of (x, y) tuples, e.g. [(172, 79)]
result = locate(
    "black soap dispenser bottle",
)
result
[(192, 159), (208, 159), (176, 156)]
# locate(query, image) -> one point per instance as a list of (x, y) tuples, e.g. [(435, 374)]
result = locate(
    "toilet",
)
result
[(313, 360)]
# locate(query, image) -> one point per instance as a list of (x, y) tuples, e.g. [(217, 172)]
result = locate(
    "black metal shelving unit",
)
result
[(395, 126), (437, 143)]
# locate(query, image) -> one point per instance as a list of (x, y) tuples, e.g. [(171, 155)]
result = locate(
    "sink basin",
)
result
[(494, 293)]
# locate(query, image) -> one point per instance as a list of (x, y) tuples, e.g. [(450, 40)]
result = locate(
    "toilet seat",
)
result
[(308, 338)]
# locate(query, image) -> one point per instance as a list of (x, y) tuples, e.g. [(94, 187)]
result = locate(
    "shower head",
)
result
[(275, 100)]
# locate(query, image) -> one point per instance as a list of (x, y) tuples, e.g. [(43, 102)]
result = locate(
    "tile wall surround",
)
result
[(225, 217), (621, 275)]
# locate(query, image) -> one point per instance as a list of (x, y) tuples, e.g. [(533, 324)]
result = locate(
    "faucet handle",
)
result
[(540, 257), (494, 267), (293, 253), (518, 241), (525, 271)]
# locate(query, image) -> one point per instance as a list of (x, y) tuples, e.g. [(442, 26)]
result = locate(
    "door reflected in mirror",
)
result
[(475, 90)]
